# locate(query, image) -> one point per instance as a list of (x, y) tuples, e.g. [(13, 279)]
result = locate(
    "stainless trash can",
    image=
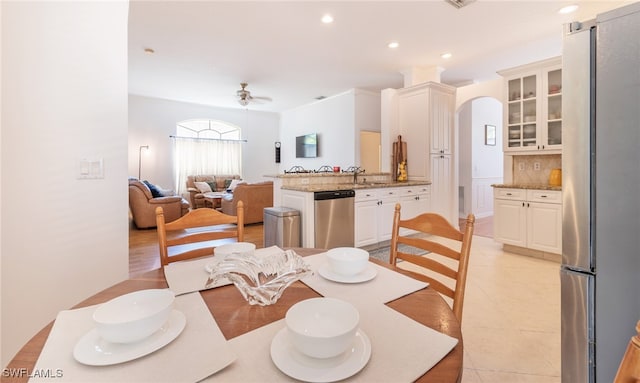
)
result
[(281, 227)]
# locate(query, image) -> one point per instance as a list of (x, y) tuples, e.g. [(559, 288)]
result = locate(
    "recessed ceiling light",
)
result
[(327, 19), (568, 9), (393, 45), (446, 55), (149, 51)]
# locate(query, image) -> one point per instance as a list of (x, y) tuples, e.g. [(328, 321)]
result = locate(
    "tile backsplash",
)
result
[(529, 175)]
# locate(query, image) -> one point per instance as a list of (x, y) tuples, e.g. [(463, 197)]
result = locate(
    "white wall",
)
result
[(64, 97), (337, 120), (367, 118), (153, 120)]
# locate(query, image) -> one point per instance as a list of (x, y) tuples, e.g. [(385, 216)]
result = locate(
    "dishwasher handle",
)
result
[(333, 194)]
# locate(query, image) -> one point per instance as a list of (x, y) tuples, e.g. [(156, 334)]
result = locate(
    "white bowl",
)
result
[(244, 248), (322, 327), (134, 316), (347, 260)]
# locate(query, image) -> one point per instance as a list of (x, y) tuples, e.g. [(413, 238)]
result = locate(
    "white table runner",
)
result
[(199, 351), (385, 287), (402, 350)]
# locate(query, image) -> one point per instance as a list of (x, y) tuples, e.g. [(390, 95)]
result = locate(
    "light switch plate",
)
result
[(90, 168)]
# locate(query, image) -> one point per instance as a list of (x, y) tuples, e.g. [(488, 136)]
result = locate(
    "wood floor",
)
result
[(143, 246), (144, 254)]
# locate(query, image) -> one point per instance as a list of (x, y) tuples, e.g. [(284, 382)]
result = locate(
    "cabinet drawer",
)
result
[(366, 195), (389, 192), (413, 190), (548, 196), (511, 194)]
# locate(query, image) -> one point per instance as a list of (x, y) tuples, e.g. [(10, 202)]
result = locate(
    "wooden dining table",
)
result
[(235, 317)]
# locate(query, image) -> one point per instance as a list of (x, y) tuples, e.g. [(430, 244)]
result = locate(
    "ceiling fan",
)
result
[(245, 97)]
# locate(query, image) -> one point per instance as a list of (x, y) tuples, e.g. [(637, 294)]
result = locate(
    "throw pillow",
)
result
[(227, 183), (155, 192), (203, 187), (212, 185), (235, 183), (166, 192)]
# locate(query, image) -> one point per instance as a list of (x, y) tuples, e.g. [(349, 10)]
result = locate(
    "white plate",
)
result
[(92, 350), (299, 366), (366, 275)]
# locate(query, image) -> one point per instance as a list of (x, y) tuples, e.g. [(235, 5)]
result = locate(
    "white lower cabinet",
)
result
[(367, 210), (529, 218), (374, 210)]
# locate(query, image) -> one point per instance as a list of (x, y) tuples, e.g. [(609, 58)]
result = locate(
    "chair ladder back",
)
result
[(431, 246), (434, 266), (629, 369), (199, 218), (436, 225)]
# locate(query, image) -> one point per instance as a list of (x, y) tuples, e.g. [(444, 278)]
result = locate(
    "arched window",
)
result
[(206, 147)]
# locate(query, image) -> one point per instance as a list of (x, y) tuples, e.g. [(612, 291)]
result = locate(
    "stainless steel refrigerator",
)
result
[(600, 272)]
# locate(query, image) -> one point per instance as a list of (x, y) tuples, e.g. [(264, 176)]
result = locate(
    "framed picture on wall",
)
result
[(489, 134)]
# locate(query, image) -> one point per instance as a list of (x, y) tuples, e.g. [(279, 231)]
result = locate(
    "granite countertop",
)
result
[(527, 186), (350, 186)]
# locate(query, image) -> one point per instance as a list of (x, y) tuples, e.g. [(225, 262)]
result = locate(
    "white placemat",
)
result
[(402, 350), (199, 351), (386, 286), (189, 276)]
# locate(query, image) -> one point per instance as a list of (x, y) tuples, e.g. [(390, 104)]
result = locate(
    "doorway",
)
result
[(480, 160)]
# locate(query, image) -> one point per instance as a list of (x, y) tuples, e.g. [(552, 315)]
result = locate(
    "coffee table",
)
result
[(215, 198)]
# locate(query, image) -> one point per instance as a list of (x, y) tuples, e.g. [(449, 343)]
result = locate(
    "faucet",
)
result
[(356, 171)]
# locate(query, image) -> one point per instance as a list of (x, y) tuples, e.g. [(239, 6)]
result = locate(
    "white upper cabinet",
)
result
[(426, 123), (533, 107)]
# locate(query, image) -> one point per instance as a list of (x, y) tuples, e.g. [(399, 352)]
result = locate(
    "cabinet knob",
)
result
[(543, 196), (509, 194), (523, 204)]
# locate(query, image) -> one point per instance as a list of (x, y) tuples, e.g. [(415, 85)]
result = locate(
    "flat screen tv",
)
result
[(307, 146)]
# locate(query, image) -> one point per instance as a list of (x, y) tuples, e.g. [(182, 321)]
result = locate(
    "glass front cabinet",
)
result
[(533, 106)]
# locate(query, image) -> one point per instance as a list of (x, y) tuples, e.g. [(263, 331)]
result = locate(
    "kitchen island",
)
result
[(373, 202)]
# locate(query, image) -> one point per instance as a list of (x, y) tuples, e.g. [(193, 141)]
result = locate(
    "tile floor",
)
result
[(511, 318)]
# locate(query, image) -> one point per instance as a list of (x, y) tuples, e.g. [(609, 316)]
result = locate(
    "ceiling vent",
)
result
[(459, 3)]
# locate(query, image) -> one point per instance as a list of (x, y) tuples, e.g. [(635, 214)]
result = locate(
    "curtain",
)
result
[(205, 156)]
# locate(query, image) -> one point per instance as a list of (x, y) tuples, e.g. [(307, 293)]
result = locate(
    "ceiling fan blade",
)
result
[(260, 99)]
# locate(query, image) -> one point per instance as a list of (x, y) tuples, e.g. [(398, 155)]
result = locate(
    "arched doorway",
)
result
[(480, 161)]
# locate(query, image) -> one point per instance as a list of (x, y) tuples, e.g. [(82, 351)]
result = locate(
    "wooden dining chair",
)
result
[(435, 272), (196, 233), (629, 369)]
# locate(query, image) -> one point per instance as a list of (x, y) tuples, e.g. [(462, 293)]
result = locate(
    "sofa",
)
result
[(254, 196), (143, 205), (214, 181)]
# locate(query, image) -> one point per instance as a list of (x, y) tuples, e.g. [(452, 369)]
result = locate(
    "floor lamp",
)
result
[(140, 158)]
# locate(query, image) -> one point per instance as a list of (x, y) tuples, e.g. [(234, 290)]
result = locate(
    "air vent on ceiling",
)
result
[(459, 3)]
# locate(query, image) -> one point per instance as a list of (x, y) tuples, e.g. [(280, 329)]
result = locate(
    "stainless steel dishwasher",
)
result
[(334, 218)]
